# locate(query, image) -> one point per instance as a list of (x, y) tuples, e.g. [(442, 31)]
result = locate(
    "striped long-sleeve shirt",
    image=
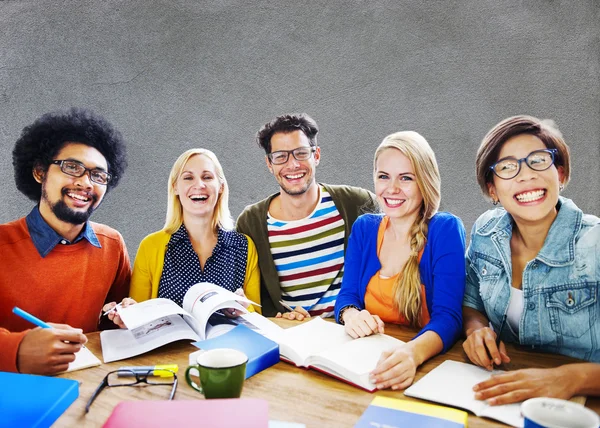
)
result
[(309, 257)]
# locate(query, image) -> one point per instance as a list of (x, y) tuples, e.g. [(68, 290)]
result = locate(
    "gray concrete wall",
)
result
[(177, 74)]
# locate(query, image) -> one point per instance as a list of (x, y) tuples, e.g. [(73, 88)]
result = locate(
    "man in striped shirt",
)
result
[(302, 231)]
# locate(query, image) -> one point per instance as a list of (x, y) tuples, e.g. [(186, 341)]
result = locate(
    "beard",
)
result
[(294, 192), (68, 215)]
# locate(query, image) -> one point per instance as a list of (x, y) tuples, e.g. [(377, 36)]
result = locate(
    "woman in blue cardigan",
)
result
[(405, 266)]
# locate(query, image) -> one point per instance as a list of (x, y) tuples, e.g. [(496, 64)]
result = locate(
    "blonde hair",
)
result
[(407, 288), (221, 215)]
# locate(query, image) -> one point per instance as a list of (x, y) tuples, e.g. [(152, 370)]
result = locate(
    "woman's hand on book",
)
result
[(483, 350), (49, 350), (520, 385), (362, 323), (396, 369), (113, 315)]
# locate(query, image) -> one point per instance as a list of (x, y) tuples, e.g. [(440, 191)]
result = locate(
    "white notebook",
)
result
[(83, 360), (452, 383)]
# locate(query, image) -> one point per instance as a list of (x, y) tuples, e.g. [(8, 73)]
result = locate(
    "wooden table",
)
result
[(294, 394)]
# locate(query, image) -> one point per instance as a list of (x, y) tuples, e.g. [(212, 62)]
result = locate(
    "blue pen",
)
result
[(28, 317), (34, 320)]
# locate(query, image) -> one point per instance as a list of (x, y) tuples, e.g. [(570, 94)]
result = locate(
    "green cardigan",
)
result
[(349, 201)]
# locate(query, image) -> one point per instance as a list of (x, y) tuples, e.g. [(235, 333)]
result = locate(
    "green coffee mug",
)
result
[(221, 373)]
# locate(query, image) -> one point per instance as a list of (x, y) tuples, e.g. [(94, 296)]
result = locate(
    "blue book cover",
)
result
[(262, 352), (392, 413), (34, 401)]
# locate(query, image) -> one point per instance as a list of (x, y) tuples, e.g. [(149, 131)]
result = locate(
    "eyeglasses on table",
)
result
[(118, 378)]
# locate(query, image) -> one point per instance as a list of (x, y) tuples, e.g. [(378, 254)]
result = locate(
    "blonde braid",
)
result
[(407, 288)]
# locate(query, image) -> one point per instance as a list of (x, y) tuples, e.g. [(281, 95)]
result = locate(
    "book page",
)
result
[(508, 413), (355, 359), (120, 344), (452, 383), (203, 299), (140, 314), (263, 326), (310, 338)]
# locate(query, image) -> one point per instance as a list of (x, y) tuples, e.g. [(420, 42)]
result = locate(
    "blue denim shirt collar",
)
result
[(559, 247), (45, 238)]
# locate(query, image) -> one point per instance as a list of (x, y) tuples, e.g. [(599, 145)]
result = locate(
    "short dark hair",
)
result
[(42, 140), (544, 129), (287, 123)]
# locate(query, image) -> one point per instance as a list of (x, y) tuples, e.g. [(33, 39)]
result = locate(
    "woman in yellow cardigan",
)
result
[(197, 243)]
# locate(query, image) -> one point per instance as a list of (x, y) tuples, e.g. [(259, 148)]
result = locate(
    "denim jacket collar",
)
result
[(559, 246), (45, 238)]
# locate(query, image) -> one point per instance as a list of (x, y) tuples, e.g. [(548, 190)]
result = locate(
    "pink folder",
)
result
[(222, 413)]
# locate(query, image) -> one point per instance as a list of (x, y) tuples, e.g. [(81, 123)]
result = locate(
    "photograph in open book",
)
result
[(156, 322)]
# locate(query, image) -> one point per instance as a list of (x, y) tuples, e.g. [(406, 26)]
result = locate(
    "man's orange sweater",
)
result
[(70, 285)]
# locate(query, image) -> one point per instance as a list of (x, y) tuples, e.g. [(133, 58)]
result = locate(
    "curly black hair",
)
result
[(42, 140), (287, 123)]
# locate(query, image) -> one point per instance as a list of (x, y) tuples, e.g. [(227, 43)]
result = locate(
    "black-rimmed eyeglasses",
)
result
[(538, 160), (131, 378), (77, 169), (281, 156)]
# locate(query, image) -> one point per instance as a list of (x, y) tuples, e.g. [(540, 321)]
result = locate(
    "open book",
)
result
[(452, 383), (326, 347), (156, 322)]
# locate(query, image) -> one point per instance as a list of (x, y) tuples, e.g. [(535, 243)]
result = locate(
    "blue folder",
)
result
[(262, 352), (34, 401)]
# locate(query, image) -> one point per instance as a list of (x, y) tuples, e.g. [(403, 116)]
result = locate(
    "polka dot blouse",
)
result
[(226, 266)]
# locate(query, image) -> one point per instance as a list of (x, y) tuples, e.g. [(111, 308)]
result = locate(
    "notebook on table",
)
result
[(84, 359), (452, 383), (34, 401)]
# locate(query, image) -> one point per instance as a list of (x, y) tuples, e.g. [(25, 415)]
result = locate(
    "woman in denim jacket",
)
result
[(533, 268)]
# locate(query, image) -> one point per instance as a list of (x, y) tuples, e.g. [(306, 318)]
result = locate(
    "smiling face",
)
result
[(531, 196), (396, 186), (294, 177), (198, 187), (71, 199)]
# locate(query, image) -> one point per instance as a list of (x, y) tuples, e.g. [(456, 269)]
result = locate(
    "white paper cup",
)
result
[(555, 413)]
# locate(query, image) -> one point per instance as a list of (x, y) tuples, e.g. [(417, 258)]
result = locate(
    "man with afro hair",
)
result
[(56, 264)]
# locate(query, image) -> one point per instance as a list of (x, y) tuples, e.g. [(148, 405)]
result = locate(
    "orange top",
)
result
[(379, 295), (70, 285)]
